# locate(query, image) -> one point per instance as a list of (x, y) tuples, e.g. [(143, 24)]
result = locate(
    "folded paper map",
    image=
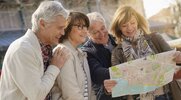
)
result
[(143, 75)]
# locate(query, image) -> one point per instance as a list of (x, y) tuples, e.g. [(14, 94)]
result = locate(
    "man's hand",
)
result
[(109, 84), (60, 56)]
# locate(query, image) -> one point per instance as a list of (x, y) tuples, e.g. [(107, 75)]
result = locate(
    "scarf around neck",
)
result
[(137, 47)]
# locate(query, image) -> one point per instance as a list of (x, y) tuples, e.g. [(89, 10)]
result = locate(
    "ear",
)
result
[(42, 24)]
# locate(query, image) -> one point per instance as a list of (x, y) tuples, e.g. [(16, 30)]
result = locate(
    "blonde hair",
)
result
[(123, 15)]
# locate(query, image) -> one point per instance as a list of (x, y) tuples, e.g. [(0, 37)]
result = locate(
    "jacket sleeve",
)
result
[(26, 71), (160, 44), (98, 72), (117, 56), (67, 81)]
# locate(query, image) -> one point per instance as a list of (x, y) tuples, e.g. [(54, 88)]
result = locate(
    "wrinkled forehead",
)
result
[(96, 25)]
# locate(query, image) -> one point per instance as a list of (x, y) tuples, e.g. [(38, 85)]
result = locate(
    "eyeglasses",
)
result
[(95, 32), (81, 27)]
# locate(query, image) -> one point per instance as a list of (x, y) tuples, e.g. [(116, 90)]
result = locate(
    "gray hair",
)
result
[(95, 16), (47, 11)]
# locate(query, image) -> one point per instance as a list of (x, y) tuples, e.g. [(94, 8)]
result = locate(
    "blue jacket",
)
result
[(99, 60)]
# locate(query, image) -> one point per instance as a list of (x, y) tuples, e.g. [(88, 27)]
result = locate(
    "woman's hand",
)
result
[(109, 84), (177, 59)]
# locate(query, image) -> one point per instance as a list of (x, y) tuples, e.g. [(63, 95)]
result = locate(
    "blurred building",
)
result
[(168, 20), (15, 18), (106, 7), (176, 13), (15, 15), (161, 23)]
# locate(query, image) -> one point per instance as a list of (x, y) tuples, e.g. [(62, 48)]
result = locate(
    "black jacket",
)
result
[(99, 60)]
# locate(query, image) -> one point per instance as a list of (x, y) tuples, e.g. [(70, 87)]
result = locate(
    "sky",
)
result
[(154, 6)]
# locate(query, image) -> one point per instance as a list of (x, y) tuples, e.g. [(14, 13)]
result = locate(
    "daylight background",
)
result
[(164, 16)]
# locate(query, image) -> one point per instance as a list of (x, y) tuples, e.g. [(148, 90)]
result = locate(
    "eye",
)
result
[(94, 32), (103, 28), (123, 25), (61, 27), (79, 27)]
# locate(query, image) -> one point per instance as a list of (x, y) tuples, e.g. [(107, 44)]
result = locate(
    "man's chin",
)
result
[(101, 42), (55, 43), (104, 42)]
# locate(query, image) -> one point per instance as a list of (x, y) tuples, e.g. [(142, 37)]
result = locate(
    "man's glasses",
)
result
[(81, 27), (103, 29)]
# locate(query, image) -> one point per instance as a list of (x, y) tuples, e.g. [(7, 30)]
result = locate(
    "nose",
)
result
[(101, 33), (129, 27), (62, 32)]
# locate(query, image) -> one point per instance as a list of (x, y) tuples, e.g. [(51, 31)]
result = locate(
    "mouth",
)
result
[(130, 32), (102, 37), (83, 36), (58, 37)]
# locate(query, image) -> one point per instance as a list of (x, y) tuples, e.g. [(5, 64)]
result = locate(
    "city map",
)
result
[(143, 75)]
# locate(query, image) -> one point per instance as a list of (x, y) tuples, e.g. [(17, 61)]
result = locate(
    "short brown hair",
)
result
[(72, 19)]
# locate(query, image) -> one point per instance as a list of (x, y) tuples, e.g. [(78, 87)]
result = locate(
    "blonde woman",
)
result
[(131, 31)]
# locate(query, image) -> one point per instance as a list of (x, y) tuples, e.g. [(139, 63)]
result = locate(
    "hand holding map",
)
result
[(143, 75)]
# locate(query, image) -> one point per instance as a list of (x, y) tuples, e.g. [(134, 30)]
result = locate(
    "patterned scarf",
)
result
[(137, 47), (47, 55)]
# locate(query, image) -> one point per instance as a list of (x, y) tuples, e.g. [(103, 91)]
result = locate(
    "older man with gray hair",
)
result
[(29, 68), (98, 48)]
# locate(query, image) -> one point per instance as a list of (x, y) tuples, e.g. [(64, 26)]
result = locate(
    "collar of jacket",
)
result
[(76, 51)]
